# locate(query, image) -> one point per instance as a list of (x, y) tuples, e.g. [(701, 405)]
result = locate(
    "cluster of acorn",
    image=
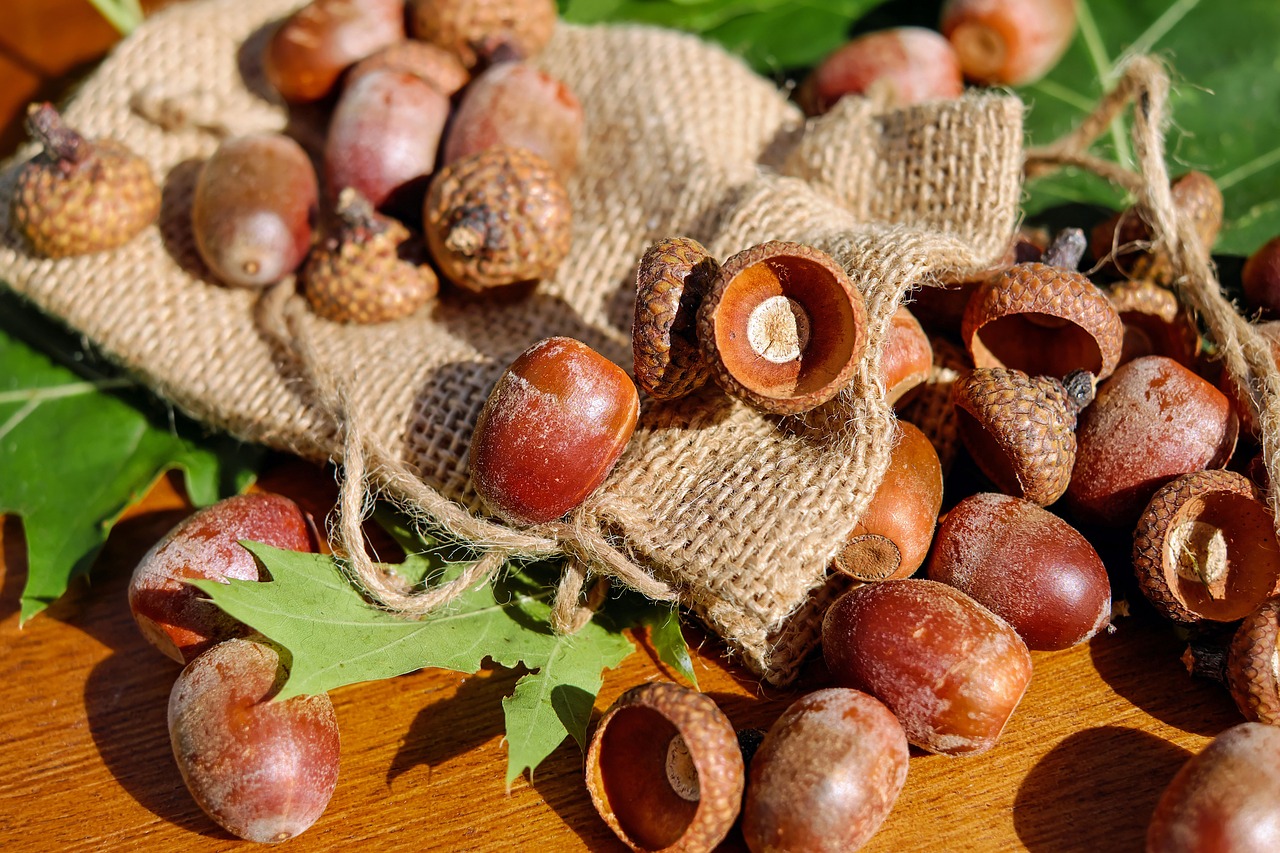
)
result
[(483, 178), (264, 770), (942, 661)]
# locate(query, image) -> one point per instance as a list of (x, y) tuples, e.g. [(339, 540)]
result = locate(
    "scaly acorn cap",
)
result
[(1205, 548), (499, 217), (78, 197), (359, 274), (1253, 664), (1020, 429), (672, 280), (1044, 320)]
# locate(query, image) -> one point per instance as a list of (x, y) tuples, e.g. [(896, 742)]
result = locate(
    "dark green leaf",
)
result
[(75, 454), (1226, 86)]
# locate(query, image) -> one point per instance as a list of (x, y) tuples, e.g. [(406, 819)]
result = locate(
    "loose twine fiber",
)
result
[(734, 514)]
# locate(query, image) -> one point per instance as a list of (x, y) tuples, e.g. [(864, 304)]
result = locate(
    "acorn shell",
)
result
[(893, 535), (497, 218), (671, 282), (427, 62), (77, 197), (359, 274), (783, 327), (664, 769), (1019, 429), (1205, 548), (907, 359), (1253, 664), (1043, 320)]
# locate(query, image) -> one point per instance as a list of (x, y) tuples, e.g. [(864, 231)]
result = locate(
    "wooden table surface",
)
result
[(84, 753)]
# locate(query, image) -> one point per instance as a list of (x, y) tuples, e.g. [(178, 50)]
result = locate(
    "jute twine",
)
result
[(731, 513), (1144, 84)]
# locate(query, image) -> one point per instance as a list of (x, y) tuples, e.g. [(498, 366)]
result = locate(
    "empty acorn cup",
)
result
[(1020, 429), (664, 769), (1155, 323), (671, 282), (783, 327), (1205, 548), (1043, 320)]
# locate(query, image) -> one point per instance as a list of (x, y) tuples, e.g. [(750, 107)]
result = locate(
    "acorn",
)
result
[(360, 272), (476, 31), (664, 770), (893, 535), (906, 361), (79, 196), (1044, 320), (672, 280), (1020, 429), (427, 62), (497, 218), (1205, 549), (1253, 664), (783, 327)]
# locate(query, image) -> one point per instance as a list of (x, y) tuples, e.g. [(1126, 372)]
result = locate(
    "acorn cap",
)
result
[(1253, 664), (783, 327), (1155, 323), (671, 282), (1042, 320), (664, 769), (77, 197), (1020, 429), (477, 32), (359, 274), (1205, 548), (497, 218)]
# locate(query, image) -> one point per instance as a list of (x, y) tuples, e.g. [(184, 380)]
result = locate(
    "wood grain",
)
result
[(84, 753)]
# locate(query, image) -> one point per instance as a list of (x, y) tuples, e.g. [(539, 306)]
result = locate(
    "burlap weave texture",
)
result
[(740, 512)]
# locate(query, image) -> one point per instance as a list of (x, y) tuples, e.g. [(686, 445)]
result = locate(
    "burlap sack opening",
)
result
[(736, 514)]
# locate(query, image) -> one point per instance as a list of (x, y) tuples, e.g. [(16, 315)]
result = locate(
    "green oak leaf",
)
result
[(334, 637), (76, 452), (662, 620), (1226, 76), (771, 35)]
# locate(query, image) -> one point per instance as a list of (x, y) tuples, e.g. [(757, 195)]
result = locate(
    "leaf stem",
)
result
[(1105, 70), (71, 389)]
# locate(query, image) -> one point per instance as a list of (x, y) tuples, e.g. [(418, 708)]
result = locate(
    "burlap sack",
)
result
[(736, 514)]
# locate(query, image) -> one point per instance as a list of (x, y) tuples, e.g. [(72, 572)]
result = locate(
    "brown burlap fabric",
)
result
[(736, 514)]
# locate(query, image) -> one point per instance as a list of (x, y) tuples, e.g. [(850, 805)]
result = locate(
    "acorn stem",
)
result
[(1206, 657), (45, 125), (1066, 250), (359, 220)]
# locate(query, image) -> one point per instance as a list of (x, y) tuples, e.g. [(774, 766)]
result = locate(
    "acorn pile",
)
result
[(445, 157)]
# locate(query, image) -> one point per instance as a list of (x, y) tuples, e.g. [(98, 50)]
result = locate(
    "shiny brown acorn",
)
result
[(673, 278), (497, 218), (79, 196), (360, 272)]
